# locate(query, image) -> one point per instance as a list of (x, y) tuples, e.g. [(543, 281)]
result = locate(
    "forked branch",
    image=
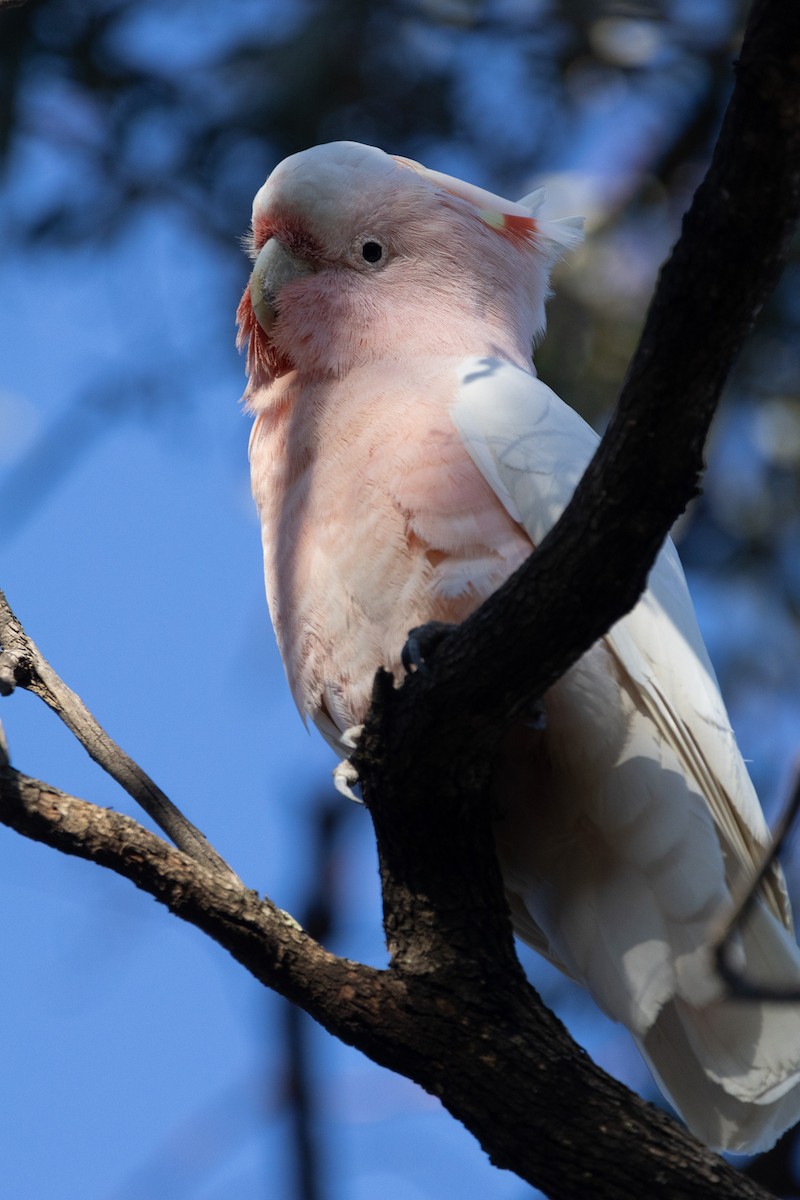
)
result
[(23, 665)]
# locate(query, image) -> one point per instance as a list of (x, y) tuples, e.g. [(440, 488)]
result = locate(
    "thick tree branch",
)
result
[(502, 1055), (260, 935)]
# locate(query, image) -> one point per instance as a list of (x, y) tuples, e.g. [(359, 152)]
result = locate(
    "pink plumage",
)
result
[(405, 460)]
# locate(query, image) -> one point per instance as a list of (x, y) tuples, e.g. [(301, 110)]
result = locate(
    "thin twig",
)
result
[(23, 665), (742, 988)]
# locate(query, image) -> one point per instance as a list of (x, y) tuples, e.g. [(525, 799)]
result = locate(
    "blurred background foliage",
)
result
[(114, 110), (126, 105)]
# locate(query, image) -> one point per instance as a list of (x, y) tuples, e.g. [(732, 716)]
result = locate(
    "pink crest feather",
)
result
[(504, 216)]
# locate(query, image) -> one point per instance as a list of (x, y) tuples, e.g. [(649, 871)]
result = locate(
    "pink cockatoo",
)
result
[(405, 460)]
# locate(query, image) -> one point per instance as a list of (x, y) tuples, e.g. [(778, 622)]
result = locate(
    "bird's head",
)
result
[(359, 255)]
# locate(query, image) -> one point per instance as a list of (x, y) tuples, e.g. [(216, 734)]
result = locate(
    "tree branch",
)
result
[(23, 665), (498, 1059), (739, 984), (263, 937)]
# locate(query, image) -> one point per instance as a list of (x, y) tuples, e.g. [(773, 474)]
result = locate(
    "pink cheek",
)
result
[(262, 231), (265, 359)]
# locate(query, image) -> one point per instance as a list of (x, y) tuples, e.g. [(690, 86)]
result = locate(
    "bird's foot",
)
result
[(345, 776), (422, 643), (350, 736)]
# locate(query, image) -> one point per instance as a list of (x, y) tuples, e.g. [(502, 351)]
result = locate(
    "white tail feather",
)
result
[(638, 838)]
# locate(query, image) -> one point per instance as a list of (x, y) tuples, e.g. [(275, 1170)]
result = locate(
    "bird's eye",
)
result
[(372, 252)]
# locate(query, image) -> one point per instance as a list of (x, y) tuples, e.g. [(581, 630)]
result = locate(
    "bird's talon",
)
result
[(345, 778), (350, 736), (421, 645)]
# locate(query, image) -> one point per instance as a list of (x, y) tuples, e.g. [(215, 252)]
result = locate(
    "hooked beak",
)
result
[(274, 267)]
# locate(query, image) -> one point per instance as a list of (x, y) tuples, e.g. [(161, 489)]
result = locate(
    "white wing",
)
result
[(532, 448), (740, 1072)]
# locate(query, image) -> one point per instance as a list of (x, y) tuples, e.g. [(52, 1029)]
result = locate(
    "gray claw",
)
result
[(421, 645)]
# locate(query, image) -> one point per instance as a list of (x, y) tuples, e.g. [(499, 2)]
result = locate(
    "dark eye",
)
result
[(372, 252)]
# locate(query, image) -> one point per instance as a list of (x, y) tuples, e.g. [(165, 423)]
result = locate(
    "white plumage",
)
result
[(656, 821), (405, 460)]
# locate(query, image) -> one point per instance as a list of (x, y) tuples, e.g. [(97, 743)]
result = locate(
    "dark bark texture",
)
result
[(454, 1011)]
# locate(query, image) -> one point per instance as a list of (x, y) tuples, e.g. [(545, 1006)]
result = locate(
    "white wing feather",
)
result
[(638, 939)]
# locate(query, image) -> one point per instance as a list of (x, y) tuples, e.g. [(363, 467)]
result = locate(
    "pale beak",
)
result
[(274, 267)]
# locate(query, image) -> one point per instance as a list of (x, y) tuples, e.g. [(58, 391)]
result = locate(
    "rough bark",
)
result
[(454, 1011), (473, 1033)]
